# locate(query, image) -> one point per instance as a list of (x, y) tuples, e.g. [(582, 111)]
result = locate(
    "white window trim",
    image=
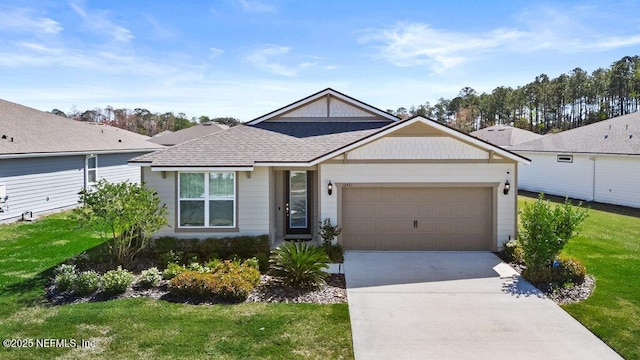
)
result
[(206, 200), (88, 183)]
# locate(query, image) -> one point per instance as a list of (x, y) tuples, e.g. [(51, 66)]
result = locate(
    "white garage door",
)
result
[(388, 218)]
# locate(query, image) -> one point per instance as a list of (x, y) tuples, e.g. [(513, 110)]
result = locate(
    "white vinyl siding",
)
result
[(47, 184), (425, 174), (612, 179), (207, 199), (546, 174), (618, 180)]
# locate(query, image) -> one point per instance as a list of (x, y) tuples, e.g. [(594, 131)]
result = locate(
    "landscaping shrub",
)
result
[(512, 251), (328, 231), (545, 231), (229, 281), (300, 264), (334, 252), (170, 257), (87, 282), (172, 271), (65, 276), (116, 281), (127, 214), (244, 247), (568, 270), (149, 278)]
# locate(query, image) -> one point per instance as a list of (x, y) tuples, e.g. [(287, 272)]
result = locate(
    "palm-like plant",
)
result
[(299, 264)]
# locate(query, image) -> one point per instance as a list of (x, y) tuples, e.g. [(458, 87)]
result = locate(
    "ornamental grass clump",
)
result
[(546, 230), (300, 265)]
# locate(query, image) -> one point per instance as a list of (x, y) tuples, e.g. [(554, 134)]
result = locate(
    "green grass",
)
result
[(145, 328), (609, 245)]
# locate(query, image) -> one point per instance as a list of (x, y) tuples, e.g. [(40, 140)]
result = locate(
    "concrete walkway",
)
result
[(456, 305)]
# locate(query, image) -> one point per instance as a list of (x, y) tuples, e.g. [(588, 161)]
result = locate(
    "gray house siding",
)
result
[(47, 184)]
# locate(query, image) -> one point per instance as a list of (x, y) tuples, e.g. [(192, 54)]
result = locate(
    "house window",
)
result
[(207, 199), (91, 169), (565, 158)]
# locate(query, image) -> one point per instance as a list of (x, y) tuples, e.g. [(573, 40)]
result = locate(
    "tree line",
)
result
[(544, 105), (141, 121)]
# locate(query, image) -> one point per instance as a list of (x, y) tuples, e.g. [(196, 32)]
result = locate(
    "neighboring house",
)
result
[(502, 135), (390, 184), (190, 133), (597, 162), (45, 159)]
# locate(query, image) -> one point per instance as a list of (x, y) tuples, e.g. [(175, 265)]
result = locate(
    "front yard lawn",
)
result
[(609, 245), (145, 328)]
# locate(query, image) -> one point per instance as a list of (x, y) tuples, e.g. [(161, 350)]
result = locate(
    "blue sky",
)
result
[(244, 58)]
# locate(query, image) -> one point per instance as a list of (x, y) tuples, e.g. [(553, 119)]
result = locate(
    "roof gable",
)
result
[(426, 128), (326, 106)]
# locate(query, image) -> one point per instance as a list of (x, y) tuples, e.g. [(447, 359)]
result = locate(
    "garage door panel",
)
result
[(417, 218)]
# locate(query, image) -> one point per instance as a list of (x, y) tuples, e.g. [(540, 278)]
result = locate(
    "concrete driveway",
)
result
[(456, 305)]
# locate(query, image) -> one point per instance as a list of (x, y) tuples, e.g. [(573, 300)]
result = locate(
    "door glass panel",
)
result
[(298, 199)]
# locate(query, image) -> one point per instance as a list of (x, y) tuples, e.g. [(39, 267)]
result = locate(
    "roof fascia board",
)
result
[(318, 95), (201, 168), (575, 153), (73, 153)]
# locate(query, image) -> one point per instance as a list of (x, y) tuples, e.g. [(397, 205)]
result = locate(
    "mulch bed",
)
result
[(568, 295), (270, 290)]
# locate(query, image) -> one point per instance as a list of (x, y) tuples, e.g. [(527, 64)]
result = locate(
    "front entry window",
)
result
[(298, 199)]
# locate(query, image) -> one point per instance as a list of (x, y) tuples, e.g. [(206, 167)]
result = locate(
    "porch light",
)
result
[(330, 188), (507, 186)]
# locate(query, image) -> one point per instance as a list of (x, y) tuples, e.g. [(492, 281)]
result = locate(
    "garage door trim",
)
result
[(493, 185)]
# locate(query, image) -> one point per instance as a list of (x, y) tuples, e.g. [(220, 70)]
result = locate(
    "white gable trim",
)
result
[(319, 95), (453, 133)]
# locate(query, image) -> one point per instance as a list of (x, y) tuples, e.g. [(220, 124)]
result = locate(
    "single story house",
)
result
[(45, 159), (391, 184), (503, 135), (597, 162), (169, 138)]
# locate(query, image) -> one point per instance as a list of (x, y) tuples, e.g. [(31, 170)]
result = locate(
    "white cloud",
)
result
[(98, 22), (256, 6), (411, 44), (542, 28), (23, 20), (215, 52), (272, 58)]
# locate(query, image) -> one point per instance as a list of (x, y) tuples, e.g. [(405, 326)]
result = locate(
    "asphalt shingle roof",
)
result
[(505, 135), (180, 136), (619, 135), (35, 131), (245, 145)]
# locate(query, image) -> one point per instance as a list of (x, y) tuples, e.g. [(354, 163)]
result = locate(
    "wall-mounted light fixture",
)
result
[(506, 188), (330, 188)]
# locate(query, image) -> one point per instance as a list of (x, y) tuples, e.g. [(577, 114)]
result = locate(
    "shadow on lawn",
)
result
[(616, 209)]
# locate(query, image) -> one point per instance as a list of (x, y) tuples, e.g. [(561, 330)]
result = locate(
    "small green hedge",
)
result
[(202, 250), (229, 281)]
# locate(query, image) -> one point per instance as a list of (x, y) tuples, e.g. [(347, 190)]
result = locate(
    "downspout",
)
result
[(593, 181)]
